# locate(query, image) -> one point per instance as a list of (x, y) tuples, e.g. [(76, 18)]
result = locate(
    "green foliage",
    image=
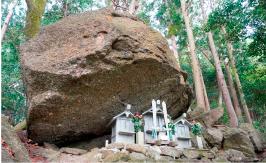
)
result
[(243, 19), (13, 97), (257, 126), (55, 9), (225, 120)]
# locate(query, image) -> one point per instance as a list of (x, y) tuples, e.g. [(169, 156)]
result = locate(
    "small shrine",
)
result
[(182, 132), (152, 120), (123, 128), (154, 124)]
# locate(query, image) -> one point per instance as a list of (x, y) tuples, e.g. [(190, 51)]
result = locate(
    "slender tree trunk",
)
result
[(239, 87), (174, 47), (220, 95), (220, 75), (194, 59), (133, 7), (65, 11), (34, 17), (233, 90), (207, 104), (175, 50), (9, 15)]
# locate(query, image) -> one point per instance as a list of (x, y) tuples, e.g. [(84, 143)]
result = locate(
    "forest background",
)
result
[(238, 29)]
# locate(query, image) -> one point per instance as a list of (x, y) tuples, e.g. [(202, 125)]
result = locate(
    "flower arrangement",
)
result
[(170, 125), (138, 121), (196, 128)]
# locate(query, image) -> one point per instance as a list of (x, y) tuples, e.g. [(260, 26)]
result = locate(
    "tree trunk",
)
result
[(207, 104), (239, 87), (133, 7), (9, 15), (65, 11), (233, 90), (34, 17), (175, 51), (194, 59), (20, 126), (174, 47), (220, 93), (220, 75)]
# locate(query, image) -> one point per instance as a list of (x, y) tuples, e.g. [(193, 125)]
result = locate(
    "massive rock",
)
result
[(235, 138), (81, 71), (208, 119), (255, 136), (214, 137)]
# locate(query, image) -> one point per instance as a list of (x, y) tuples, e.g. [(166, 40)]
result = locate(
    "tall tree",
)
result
[(194, 57), (4, 28), (34, 17), (220, 76), (233, 90), (239, 86)]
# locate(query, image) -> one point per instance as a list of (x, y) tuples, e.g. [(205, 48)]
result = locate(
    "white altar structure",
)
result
[(182, 132), (123, 128), (149, 121)]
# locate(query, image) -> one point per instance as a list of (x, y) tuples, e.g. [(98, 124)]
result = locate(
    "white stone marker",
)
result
[(166, 119), (199, 142), (140, 138), (106, 143)]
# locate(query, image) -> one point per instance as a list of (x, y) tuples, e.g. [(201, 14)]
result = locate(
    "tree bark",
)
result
[(207, 104), (239, 86), (220, 95), (9, 15), (133, 7), (173, 42), (65, 11), (175, 50), (194, 59), (233, 90), (20, 126), (220, 75), (34, 17)]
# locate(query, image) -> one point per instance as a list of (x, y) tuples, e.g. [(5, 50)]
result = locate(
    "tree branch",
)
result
[(188, 6), (10, 14), (205, 55)]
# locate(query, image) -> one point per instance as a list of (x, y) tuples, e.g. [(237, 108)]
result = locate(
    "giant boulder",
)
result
[(81, 71)]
